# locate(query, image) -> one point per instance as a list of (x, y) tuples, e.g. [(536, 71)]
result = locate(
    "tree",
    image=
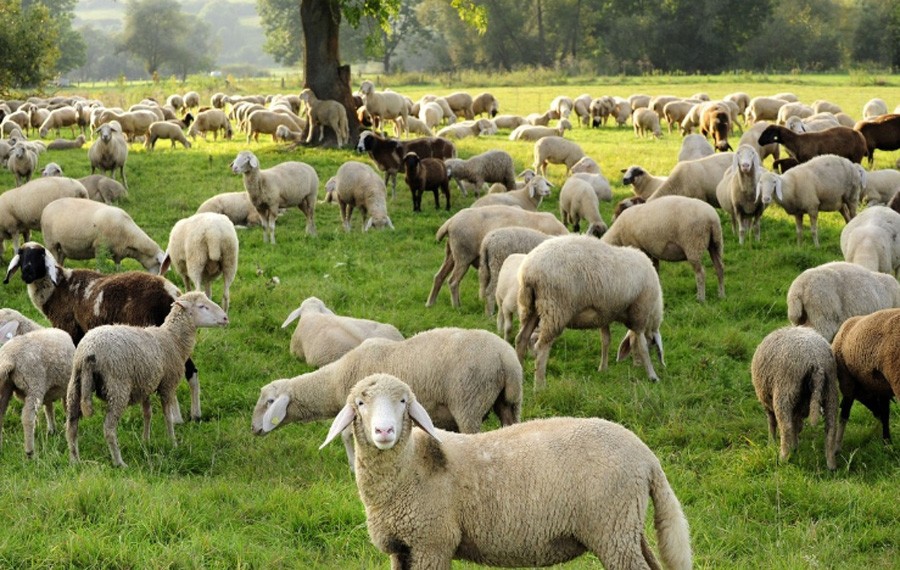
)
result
[(31, 34), (158, 33)]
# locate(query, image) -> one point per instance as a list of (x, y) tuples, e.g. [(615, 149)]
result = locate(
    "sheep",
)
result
[(601, 109), (751, 137), (588, 170), (24, 324), (865, 350), (22, 162), (696, 178), (539, 119), (794, 375), (644, 183), (881, 186), (446, 111), (35, 366), (793, 110), (827, 183), (468, 129), (741, 99), (675, 112), (841, 141), (873, 108), (132, 123), (78, 228), (102, 188), (285, 134), (528, 197), (507, 293), (715, 122), (737, 192), (388, 153), (201, 248), (431, 114), (384, 105), (537, 132), (321, 336), (490, 166), (582, 108), (323, 113), (578, 201), (211, 120), (266, 122), (872, 240), (495, 247), (125, 364), (191, 100), (466, 229), (66, 144), (638, 100), (880, 133), (562, 285), (485, 103), (418, 127), (356, 185), (165, 130), (555, 150), (645, 120), (424, 174), (175, 101), (459, 397), (287, 184), (694, 147), (461, 103), (57, 118), (110, 151), (811, 125), (825, 296), (20, 208), (235, 205), (763, 109)]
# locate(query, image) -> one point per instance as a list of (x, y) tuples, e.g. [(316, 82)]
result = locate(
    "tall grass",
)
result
[(226, 499)]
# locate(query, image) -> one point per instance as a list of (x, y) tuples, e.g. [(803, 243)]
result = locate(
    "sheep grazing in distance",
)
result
[(21, 208), (323, 113), (673, 228), (827, 183), (496, 246), (236, 205), (872, 239), (715, 122), (865, 349), (582, 108), (578, 201), (57, 119), (110, 151), (601, 108), (695, 146), (165, 130), (874, 108), (646, 121), (356, 185), (417, 127), (581, 282), (22, 162), (561, 107), (555, 150), (201, 248), (461, 103), (880, 133), (488, 167), (763, 109), (426, 174), (485, 103), (125, 364), (211, 120), (794, 109), (643, 183), (823, 297), (536, 132), (794, 375), (569, 486), (284, 185), (385, 106), (840, 141), (468, 129)]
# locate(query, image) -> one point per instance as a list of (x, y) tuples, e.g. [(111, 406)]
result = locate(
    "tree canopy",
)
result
[(159, 34)]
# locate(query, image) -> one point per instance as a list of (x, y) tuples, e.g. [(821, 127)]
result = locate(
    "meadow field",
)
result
[(224, 498)]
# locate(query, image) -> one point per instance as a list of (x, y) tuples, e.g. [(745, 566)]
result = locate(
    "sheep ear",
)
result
[(254, 162), (276, 413), (778, 193), (389, 223), (344, 418), (164, 262), (52, 271), (13, 265), (8, 331), (420, 416), (291, 318)]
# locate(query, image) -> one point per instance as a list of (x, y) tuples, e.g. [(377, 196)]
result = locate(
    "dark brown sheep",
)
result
[(388, 153), (715, 123), (880, 133), (842, 141), (426, 174)]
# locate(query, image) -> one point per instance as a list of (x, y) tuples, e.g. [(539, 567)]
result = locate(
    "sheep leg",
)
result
[(798, 220), (110, 423), (5, 395), (193, 379), (605, 339), (440, 276), (29, 413), (814, 226), (270, 222), (788, 436), (547, 335), (308, 207), (715, 254), (700, 276), (456, 277), (147, 413), (501, 324), (773, 425), (48, 414), (167, 398), (623, 553)]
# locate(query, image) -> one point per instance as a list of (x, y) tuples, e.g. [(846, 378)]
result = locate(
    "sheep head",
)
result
[(35, 262), (244, 162)]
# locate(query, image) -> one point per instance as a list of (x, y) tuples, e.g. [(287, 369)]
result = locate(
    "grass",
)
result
[(226, 499)]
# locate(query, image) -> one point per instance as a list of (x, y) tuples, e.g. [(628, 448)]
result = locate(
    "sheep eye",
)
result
[(402, 400), (270, 401), (360, 403)]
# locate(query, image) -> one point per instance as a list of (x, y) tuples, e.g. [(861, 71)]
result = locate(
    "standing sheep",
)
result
[(490, 166), (22, 162), (426, 174), (485, 103), (738, 195), (21, 208), (646, 120), (695, 146), (201, 248), (696, 178), (578, 201), (356, 185), (110, 151), (165, 130), (643, 183), (507, 293), (323, 113), (495, 247), (555, 150), (384, 105), (872, 240), (794, 375)]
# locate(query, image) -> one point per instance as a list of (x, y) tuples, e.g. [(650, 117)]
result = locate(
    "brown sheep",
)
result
[(880, 133), (842, 141), (715, 123), (426, 174)]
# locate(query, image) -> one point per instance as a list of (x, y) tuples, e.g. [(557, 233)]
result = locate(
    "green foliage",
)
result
[(28, 42), (158, 33)]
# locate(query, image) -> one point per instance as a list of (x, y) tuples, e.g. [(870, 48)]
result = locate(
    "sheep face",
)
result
[(631, 174), (746, 159), (244, 162), (35, 262), (52, 169), (772, 134), (768, 185), (271, 409), (365, 142), (204, 313)]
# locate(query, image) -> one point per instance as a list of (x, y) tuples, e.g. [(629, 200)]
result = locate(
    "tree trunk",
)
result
[(323, 72)]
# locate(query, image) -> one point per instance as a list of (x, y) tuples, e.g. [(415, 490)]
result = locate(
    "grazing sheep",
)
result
[(582, 108), (211, 120), (601, 109), (496, 246), (751, 137), (446, 111), (872, 239), (488, 167), (555, 150), (165, 130), (840, 141), (110, 151), (284, 185), (694, 147), (537, 132), (35, 366), (466, 229), (388, 153), (741, 99), (638, 100), (865, 350), (696, 178), (431, 114), (21, 208), (461, 103), (715, 122), (485, 103), (763, 109), (323, 113), (201, 248), (321, 336), (285, 134), (673, 228), (79, 228), (528, 197), (125, 364), (57, 119), (356, 185), (881, 186), (191, 100), (578, 201), (104, 189), (880, 133), (418, 127), (646, 120), (236, 205), (643, 183), (581, 282), (384, 106), (827, 183), (569, 486), (131, 123), (823, 297), (507, 293), (539, 119), (22, 162), (874, 108), (794, 375), (66, 144), (738, 195), (674, 112), (426, 174), (468, 129), (263, 121)]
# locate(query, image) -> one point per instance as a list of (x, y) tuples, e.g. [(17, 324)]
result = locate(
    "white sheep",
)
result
[(581, 282), (285, 134), (165, 130), (509, 121), (236, 205), (24, 324), (738, 194), (461, 103), (873, 108), (582, 108), (488, 167), (872, 239), (881, 186), (21, 208), (125, 365), (110, 151), (646, 120), (357, 185), (827, 183), (211, 120), (696, 178), (284, 185), (797, 109), (578, 201), (555, 150), (507, 293), (201, 248), (485, 103), (431, 114), (763, 109), (266, 122), (644, 183), (794, 375), (418, 127), (496, 246), (22, 162), (695, 146), (57, 118), (384, 105), (323, 113), (569, 485), (537, 132), (825, 296), (321, 336), (528, 197), (465, 129)]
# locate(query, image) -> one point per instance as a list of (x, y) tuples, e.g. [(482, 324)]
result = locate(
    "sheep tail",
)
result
[(87, 384), (672, 532), (796, 311), (443, 230), (213, 246), (528, 317), (817, 380)]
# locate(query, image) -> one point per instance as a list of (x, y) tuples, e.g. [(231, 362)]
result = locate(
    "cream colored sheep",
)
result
[(132, 123), (737, 192), (357, 185), (110, 151), (507, 293), (528, 198), (21, 208), (323, 113), (22, 163), (582, 108), (561, 107), (66, 144), (695, 146), (446, 111), (873, 108), (201, 248), (384, 105), (509, 121), (24, 324), (431, 114), (539, 119), (59, 118), (555, 150), (696, 178), (461, 103), (881, 186), (537, 132), (643, 183), (165, 130), (418, 127), (578, 201), (675, 112), (763, 109), (788, 110), (468, 129), (741, 99), (488, 167), (751, 137), (872, 239), (235, 205), (495, 247), (211, 120), (646, 121), (266, 122), (485, 103)]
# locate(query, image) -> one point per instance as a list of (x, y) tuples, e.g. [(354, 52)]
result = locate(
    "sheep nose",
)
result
[(384, 431)]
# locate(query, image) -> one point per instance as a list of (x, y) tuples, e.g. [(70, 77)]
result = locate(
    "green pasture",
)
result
[(227, 499)]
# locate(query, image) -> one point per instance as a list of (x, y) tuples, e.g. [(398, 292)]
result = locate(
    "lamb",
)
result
[(694, 147), (841, 141), (66, 144), (874, 108), (191, 100), (235, 205), (21, 208), (827, 183), (35, 366), (823, 297), (881, 186), (418, 127), (468, 129), (110, 151), (384, 105), (865, 350), (496, 246), (507, 293), (201, 248), (646, 120), (696, 178), (555, 150), (569, 485), (485, 103), (794, 375), (643, 183), (284, 185), (22, 162), (490, 166), (446, 111), (125, 364), (356, 185), (321, 336), (211, 120), (466, 229), (536, 132), (737, 192), (578, 201), (872, 240), (751, 137), (561, 286), (528, 197), (77, 228), (285, 134), (165, 130), (880, 133), (673, 228), (426, 174), (323, 113)]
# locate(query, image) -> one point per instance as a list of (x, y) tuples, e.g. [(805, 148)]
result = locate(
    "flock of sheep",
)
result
[(129, 335)]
